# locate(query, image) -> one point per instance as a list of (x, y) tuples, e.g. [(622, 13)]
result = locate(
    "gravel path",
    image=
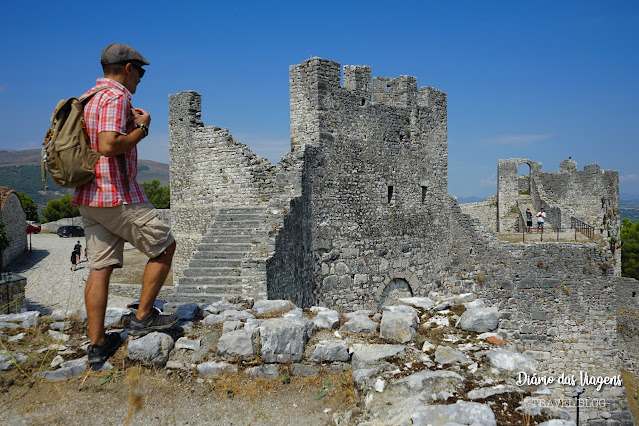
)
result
[(50, 282)]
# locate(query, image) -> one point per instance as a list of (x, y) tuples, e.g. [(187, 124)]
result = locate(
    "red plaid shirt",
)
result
[(110, 111)]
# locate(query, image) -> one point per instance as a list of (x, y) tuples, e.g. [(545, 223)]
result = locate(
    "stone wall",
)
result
[(591, 195), (485, 211), (559, 300), (15, 225), (209, 169), (627, 292), (375, 181)]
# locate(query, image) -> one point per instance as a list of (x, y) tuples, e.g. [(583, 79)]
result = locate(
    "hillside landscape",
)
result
[(20, 170)]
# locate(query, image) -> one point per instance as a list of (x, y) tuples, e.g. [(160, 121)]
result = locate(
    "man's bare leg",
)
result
[(155, 274), (96, 294)]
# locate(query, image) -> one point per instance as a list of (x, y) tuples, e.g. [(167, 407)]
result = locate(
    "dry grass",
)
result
[(335, 389), (134, 264), (631, 383)]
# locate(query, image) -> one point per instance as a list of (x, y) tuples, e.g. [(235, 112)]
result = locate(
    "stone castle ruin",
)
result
[(357, 214)]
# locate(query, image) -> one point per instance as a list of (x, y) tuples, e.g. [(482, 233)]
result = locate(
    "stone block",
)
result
[(237, 345), (153, 349), (330, 351), (398, 326), (284, 339)]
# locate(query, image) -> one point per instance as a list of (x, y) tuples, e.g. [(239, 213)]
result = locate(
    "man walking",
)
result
[(78, 249), (115, 208)]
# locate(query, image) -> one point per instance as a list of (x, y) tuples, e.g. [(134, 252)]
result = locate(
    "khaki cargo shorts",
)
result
[(107, 228)]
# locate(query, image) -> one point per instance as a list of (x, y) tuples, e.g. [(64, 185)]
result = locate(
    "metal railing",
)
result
[(582, 227), (555, 232)]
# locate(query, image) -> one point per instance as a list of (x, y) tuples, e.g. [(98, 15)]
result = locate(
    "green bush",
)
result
[(58, 209), (630, 249)]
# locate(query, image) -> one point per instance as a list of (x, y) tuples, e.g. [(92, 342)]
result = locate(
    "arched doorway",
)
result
[(397, 289)]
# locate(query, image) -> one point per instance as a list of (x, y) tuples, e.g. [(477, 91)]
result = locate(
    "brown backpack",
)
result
[(66, 150)]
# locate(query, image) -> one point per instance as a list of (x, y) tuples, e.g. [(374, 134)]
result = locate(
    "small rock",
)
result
[(237, 344), (188, 311), (213, 319), (360, 324), (60, 337), (60, 325), (216, 369), (184, 343), (480, 320), (265, 307), (151, 349), (329, 351), (418, 302), (447, 355), (327, 318), (231, 326), (267, 371), (17, 337), (56, 361)]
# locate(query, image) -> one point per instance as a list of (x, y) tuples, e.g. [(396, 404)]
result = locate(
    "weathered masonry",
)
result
[(356, 213), (14, 218)]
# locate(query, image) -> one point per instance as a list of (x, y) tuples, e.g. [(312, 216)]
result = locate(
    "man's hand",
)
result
[(141, 116)]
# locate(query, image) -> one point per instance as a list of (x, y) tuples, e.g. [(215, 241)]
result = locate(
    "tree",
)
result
[(158, 195), (58, 209), (630, 249), (29, 206)]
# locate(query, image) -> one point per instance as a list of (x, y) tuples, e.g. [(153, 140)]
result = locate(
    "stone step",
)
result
[(240, 224), (215, 263), (198, 297), (221, 255), (209, 289), (230, 247), (208, 271), (212, 232), (243, 210), (204, 279), (230, 238), (239, 217)]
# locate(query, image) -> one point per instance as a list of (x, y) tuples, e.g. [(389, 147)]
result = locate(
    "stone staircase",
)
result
[(231, 258)]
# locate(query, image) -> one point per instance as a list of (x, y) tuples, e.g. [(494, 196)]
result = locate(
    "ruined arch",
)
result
[(396, 289)]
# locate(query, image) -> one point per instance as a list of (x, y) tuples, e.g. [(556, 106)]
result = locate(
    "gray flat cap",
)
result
[(118, 52)]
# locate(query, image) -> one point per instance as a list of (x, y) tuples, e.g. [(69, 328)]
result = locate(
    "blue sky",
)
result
[(539, 80)]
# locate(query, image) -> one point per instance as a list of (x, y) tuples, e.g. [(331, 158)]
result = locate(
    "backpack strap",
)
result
[(84, 99)]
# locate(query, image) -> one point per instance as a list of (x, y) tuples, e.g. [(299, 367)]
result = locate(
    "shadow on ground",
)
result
[(27, 261)]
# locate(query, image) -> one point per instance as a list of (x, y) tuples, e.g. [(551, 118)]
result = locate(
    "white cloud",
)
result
[(490, 181), (629, 178)]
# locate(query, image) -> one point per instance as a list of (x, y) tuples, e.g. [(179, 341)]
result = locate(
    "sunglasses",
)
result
[(141, 70)]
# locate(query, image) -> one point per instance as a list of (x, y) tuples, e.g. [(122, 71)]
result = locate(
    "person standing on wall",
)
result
[(115, 208), (528, 220), (541, 218)]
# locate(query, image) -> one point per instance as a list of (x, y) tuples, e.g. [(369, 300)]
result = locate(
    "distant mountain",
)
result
[(464, 200), (20, 170)]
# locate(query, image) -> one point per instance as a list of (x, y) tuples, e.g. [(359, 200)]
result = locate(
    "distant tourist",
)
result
[(113, 205), (528, 220), (78, 249), (74, 260), (541, 218)]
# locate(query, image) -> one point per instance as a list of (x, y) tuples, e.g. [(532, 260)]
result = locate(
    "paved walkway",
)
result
[(50, 282)]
